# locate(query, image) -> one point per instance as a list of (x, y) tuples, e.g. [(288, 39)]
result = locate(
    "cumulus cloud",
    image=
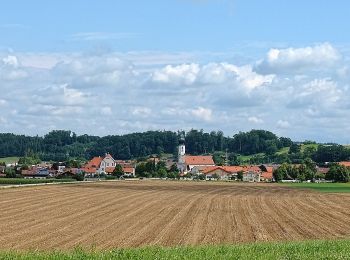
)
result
[(289, 60), (11, 61), (256, 120), (212, 73), (9, 69), (181, 74), (283, 124), (202, 113), (78, 91)]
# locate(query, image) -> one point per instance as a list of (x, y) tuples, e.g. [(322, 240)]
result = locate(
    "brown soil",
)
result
[(139, 213)]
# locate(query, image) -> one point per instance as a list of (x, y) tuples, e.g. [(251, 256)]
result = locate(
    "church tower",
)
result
[(181, 149)]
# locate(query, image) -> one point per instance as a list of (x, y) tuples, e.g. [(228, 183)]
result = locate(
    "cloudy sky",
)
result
[(114, 67)]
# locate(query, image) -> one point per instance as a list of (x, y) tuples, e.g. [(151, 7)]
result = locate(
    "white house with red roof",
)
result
[(106, 165), (100, 165)]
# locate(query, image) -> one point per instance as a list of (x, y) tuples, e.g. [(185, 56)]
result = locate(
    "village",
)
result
[(185, 167)]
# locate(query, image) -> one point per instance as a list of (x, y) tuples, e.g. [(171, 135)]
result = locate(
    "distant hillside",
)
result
[(255, 146)]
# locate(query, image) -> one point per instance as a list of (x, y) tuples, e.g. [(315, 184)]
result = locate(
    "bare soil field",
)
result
[(138, 213)]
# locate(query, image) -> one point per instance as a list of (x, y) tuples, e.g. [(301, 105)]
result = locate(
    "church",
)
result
[(187, 162)]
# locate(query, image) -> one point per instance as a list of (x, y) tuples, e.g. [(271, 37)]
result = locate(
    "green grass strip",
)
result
[(323, 187), (19, 181), (331, 249)]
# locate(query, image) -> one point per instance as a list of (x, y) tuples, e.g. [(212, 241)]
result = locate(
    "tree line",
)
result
[(61, 145)]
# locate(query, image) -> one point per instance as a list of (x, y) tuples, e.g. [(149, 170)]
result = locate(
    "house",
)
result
[(266, 173), (106, 165), (69, 173), (100, 165), (36, 173), (213, 172), (251, 176), (223, 172)]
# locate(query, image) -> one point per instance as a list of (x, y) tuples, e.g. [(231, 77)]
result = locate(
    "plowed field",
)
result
[(138, 213)]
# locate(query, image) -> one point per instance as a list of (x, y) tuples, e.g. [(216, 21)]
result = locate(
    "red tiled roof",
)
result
[(232, 169), (346, 164), (94, 162), (128, 169), (267, 175), (209, 169), (199, 160), (89, 169), (253, 168), (109, 169)]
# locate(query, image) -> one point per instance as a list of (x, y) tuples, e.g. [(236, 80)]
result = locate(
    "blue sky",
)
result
[(176, 25), (124, 66)]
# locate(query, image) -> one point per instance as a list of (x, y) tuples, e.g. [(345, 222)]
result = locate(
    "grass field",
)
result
[(9, 159), (311, 250), (245, 159), (124, 214), (18, 181), (323, 187)]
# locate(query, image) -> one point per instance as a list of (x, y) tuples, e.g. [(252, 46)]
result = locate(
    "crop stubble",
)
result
[(129, 214)]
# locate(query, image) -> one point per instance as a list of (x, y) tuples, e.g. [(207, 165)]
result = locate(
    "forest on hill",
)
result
[(258, 146)]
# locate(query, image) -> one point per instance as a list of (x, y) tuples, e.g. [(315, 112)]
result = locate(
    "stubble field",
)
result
[(139, 213)]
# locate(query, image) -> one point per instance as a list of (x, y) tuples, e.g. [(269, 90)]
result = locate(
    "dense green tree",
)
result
[(338, 173), (118, 171), (240, 175), (295, 148), (10, 172), (173, 168)]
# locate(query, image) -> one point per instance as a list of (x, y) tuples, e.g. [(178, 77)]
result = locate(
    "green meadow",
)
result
[(9, 159), (323, 187)]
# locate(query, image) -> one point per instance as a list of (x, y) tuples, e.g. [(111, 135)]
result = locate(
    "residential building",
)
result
[(106, 165)]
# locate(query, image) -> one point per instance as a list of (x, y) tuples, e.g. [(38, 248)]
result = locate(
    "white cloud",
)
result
[(283, 124), (202, 113), (79, 91), (11, 61), (255, 120), (181, 74), (298, 59)]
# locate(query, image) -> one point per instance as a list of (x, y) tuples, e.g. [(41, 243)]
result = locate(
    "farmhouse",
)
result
[(106, 165), (251, 176), (223, 172), (36, 172), (266, 173)]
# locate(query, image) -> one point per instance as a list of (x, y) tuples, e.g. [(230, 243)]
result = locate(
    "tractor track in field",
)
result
[(130, 214)]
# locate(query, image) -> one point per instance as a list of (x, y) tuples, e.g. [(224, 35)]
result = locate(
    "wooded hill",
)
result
[(259, 145)]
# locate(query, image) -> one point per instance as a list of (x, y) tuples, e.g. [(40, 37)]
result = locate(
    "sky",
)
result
[(115, 67)]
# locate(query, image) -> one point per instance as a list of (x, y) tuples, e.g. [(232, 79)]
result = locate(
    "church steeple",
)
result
[(181, 148)]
